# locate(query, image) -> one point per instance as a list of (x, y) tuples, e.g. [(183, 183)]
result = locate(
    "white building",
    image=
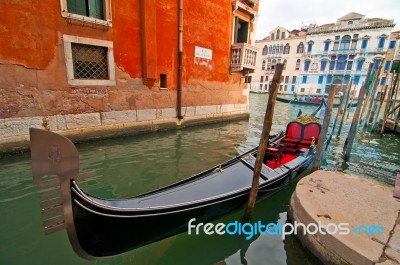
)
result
[(339, 51), (281, 46), (323, 55)]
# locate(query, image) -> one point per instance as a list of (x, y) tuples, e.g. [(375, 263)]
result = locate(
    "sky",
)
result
[(290, 14)]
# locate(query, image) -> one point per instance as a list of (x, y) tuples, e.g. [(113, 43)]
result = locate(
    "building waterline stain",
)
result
[(133, 165)]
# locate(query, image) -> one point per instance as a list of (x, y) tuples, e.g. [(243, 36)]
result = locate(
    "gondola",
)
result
[(310, 103), (98, 227)]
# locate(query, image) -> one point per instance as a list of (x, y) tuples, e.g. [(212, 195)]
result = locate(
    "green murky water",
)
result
[(132, 165)]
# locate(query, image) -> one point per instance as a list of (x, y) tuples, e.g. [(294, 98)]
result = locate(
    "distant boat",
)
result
[(309, 103), (102, 227)]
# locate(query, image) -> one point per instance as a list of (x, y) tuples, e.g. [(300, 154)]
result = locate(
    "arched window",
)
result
[(350, 22), (278, 34), (283, 35), (265, 50), (341, 62), (300, 48), (272, 36), (263, 65), (284, 64), (345, 42), (327, 43), (273, 64), (270, 49), (298, 64), (286, 50), (281, 48), (309, 46)]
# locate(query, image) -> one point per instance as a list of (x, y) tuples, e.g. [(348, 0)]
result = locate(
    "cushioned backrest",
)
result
[(311, 129), (293, 130)]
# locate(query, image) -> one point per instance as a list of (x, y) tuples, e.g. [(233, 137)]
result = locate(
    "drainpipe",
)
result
[(180, 54)]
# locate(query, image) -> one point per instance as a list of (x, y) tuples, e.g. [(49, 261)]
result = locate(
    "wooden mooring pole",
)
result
[(345, 107), (388, 102), (348, 144), (324, 130), (269, 114)]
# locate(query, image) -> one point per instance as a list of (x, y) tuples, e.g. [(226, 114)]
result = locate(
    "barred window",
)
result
[(90, 62)]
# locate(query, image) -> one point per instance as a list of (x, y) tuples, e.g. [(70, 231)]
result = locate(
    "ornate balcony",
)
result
[(244, 56)]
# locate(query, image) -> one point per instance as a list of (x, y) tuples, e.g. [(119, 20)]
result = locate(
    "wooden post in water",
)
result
[(382, 98), (324, 130), (353, 128), (345, 108), (269, 113)]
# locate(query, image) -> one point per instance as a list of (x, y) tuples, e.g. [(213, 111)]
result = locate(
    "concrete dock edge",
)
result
[(334, 197)]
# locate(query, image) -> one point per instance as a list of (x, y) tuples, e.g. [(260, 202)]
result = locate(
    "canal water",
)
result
[(133, 165)]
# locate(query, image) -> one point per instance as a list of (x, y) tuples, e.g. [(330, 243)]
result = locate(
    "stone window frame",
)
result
[(107, 14), (68, 40)]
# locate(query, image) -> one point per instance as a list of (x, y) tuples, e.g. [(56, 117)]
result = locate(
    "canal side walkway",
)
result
[(368, 210)]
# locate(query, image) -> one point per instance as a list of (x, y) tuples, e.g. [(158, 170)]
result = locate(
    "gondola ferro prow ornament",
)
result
[(55, 163)]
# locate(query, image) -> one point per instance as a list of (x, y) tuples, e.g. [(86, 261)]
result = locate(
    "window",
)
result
[(326, 47), (95, 11), (283, 35), (284, 64), (332, 63), (346, 79), (287, 79), (263, 65), (266, 87), (294, 79), (241, 30), (323, 65), (350, 62), (262, 79), (274, 49), (300, 48), (336, 43), (89, 61), (392, 44), (273, 64), (309, 46), (281, 48), (383, 81), (318, 91), (304, 79), (163, 81), (272, 36), (302, 89), (286, 50), (320, 79), (261, 86), (360, 64), (247, 79), (364, 43), (307, 65), (280, 87), (266, 78), (345, 43), (292, 88), (381, 43), (285, 89), (278, 33), (350, 22), (353, 44), (265, 50), (356, 79), (377, 62), (387, 66), (298, 64), (270, 48), (329, 79), (341, 63)]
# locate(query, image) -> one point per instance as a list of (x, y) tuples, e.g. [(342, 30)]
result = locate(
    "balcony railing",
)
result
[(244, 56)]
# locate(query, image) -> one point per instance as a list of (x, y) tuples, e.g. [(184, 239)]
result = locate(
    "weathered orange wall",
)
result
[(33, 79)]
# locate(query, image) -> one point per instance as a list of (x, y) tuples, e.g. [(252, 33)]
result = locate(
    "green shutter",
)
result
[(77, 7), (96, 9), (245, 31), (235, 38)]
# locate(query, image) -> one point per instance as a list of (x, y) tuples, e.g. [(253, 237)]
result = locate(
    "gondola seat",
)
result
[(310, 130), (293, 136)]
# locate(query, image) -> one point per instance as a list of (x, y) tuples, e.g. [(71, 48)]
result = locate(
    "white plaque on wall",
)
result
[(204, 53)]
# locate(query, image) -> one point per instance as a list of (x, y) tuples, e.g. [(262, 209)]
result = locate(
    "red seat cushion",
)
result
[(294, 130), (311, 130)]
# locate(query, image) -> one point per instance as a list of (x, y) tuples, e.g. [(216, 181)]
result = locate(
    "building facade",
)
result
[(281, 46), (102, 65), (339, 51), (333, 53)]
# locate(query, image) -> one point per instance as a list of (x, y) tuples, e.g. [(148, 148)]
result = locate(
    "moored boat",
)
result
[(310, 101), (97, 227)]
